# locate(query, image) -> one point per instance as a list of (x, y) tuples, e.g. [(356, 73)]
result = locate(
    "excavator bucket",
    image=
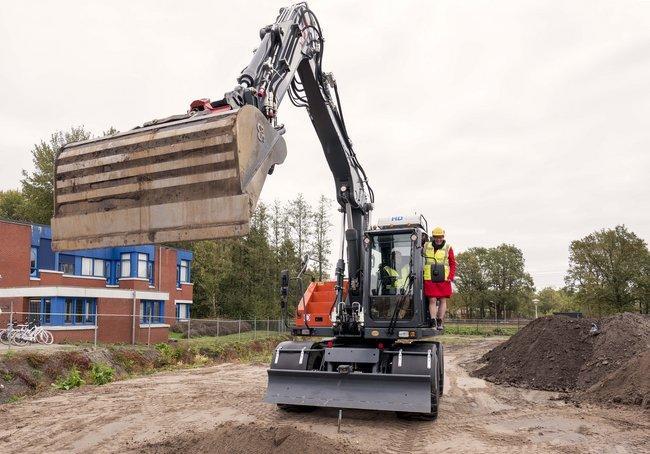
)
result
[(195, 178)]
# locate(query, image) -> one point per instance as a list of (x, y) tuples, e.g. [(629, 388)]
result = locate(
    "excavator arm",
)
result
[(199, 175)]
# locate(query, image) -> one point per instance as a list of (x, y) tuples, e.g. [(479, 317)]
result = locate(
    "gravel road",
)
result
[(220, 409)]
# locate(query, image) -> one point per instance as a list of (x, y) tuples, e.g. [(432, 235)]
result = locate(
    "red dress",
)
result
[(442, 289)]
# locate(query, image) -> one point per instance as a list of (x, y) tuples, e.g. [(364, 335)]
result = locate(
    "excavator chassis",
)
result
[(405, 378), (195, 178)]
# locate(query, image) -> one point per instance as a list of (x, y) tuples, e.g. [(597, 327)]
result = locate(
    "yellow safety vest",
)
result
[(401, 278), (433, 257)]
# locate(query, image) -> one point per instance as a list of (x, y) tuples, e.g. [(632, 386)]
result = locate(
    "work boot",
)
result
[(439, 325), (432, 323)]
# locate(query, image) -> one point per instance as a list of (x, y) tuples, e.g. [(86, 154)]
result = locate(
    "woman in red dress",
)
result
[(439, 272)]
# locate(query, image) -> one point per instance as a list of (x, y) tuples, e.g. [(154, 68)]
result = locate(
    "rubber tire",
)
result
[(3, 337), (435, 402), (16, 338), (441, 369)]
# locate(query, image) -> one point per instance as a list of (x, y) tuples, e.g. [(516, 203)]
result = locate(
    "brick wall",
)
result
[(15, 244), (15, 248)]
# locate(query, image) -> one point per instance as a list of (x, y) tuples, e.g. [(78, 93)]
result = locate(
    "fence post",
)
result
[(239, 328), (268, 326), (255, 327), (149, 326), (189, 320), (96, 327), (217, 327), (11, 321)]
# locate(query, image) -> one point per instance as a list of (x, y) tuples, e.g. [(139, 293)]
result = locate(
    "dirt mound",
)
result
[(547, 354), (252, 438), (563, 354), (629, 384), (620, 338)]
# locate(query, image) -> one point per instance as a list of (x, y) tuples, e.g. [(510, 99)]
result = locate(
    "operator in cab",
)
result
[(439, 272), (397, 271)]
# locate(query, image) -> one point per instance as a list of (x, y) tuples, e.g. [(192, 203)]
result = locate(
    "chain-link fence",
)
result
[(147, 327), (150, 326)]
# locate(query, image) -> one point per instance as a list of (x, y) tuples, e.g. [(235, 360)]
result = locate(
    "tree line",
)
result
[(609, 270), (240, 277)]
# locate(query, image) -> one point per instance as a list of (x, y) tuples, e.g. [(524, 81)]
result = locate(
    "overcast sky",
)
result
[(513, 121)]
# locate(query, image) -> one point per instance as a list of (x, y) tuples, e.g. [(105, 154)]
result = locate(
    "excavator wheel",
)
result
[(441, 368), (435, 386)]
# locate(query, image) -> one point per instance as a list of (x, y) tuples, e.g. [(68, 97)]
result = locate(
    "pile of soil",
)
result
[(252, 438), (558, 353)]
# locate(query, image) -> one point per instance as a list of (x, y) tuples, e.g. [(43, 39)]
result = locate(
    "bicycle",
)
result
[(31, 333)]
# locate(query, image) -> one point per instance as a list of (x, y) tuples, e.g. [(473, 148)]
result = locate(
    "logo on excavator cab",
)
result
[(397, 218), (260, 132)]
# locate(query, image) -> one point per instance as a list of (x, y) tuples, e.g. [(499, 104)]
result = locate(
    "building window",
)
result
[(46, 311), (93, 267), (69, 309), (143, 265), (125, 265), (33, 262), (182, 311), (86, 266), (99, 268), (184, 271), (80, 311), (152, 311), (33, 315), (67, 267)]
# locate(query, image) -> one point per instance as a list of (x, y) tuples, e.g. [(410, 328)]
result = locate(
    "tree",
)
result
[(38, 186), (609, 270), (552, 300), (11, 205), (299, 219), (322, 243), (510, 284), (471, 282), (492, 280)]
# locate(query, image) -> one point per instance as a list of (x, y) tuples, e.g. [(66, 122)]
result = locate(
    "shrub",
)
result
[(102, 373), (73, 380)]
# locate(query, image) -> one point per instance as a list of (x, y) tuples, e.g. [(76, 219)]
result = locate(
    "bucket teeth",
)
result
[(195, 178)]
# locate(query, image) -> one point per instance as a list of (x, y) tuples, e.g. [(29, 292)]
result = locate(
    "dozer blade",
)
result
[(366, 391), (195, 178)]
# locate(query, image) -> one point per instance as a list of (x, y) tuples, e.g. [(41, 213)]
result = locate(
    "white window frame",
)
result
[(185, 266), (125, 264), (86, 266), (99, 268), (143, 265)]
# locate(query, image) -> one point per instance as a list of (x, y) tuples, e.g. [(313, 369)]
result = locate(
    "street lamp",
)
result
[(535, 302)]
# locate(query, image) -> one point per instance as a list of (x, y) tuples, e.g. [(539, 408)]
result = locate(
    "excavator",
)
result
[(362, 337)]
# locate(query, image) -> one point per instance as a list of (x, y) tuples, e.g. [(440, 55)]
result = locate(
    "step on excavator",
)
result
[(199, 176)]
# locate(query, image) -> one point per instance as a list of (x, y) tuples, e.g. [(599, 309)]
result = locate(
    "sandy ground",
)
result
[(165, 412)]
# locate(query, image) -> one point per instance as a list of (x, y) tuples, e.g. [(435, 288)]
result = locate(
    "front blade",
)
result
[(366, 391), (194, 178)]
